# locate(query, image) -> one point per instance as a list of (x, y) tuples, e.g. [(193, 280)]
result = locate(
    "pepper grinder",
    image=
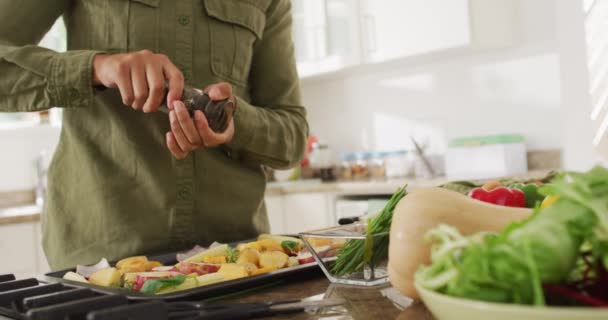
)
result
[(217, 112)]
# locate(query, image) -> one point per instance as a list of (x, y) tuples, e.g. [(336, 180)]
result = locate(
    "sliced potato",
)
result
[(249, 255), (219, 250), (232, 271), (249, 267), (131, 260), (215, 259), (264, 270), (189, 283), (270, 245), (73, 276), (153, 264), (293, 261), (253, 245), (108, 277), (134, 266), (276, 259), (131, 277), (210, 278), (319, 242)]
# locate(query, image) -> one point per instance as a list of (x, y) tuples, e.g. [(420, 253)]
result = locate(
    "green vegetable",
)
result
[(533, 196), (289, 246), (155, 285), (232, 254), (465, 187), (357, 253), (512, 266)]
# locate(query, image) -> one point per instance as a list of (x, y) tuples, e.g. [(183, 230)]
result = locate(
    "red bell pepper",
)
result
[(501, 196)]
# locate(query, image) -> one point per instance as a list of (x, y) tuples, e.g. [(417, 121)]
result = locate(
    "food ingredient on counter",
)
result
[(357, 253), (87, 271), (73, 276), (549, 200), (108, 277), (501, 196), (220, 262), (155, 285), (531, 191), (535, 258), (465, 187), (425, 209)]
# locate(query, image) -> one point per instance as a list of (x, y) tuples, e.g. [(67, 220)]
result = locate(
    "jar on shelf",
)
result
[(398, 164), (346, 166), (377, 165), (360, 168)]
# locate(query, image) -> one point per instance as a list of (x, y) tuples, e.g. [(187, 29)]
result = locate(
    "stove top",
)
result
[(30, 299)]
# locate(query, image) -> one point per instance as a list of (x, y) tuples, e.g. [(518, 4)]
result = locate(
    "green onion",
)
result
[(357, 253)]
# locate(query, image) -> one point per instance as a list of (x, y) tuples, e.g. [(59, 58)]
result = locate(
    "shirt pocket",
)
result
[(234, 26), (143, 25), (132, 25)]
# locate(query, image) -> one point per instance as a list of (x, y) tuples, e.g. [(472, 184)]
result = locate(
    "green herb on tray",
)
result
[(232, 254), (153, 286), (357, 253)]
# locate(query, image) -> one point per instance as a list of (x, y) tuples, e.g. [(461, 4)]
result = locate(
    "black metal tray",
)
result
[(209, 292)]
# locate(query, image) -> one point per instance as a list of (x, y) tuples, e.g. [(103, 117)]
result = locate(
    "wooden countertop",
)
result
[(361, 303)]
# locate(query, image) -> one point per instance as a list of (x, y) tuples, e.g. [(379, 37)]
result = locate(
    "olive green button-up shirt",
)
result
[(114, 189)]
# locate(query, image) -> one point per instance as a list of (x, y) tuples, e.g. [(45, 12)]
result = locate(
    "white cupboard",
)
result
[(331, 35), (298, 212), (21, 250)]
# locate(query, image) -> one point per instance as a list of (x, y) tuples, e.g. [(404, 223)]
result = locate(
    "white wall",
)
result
[(501, 91)]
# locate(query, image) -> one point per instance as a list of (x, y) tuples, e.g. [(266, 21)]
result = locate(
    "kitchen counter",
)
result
[(366, 187), (361, 303), (20, 214)]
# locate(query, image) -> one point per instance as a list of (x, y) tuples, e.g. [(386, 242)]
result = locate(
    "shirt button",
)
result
[(184, 20), (183, 194)]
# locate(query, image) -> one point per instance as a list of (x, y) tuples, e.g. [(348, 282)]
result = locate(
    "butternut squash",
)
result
[(425, 209)]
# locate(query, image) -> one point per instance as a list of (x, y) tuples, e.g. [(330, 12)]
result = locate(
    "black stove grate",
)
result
[(28, 299)]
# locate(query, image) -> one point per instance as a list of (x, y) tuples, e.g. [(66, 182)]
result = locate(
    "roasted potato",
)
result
[(232, 271), (276, 259), (108, 277), (249, 255)]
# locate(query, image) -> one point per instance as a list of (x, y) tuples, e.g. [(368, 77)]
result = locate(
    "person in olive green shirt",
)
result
[(123, 181)]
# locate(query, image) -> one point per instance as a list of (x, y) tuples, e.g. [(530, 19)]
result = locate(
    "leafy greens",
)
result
[(513, 266)]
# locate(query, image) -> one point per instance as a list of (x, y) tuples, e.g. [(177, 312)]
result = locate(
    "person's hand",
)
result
[(140, 76), (187, 135)]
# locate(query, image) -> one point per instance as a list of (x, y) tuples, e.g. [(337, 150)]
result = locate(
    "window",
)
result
[(55, 39)]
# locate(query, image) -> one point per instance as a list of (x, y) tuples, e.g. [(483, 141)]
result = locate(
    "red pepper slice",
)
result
[(500, 196)]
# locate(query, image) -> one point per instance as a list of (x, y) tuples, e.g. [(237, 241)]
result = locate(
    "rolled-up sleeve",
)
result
[(272, 129), (33, 78)]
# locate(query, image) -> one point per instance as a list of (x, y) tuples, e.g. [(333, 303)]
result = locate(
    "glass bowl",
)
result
[(367, 267)]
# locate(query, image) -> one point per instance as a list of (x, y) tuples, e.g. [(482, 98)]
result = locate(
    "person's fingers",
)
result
[(180, 137), (174, 148), (228, 134), (186, 123), (219, 91), (140, 85), (175, 78), (124, 84), (156, 84), (209, 137)]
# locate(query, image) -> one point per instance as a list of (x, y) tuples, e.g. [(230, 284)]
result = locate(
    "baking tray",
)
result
[(208, 292)]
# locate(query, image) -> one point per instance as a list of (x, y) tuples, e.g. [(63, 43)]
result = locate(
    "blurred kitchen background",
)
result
[(397, 91)]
